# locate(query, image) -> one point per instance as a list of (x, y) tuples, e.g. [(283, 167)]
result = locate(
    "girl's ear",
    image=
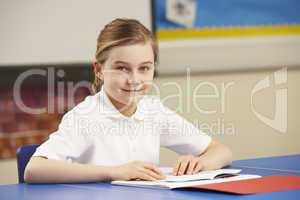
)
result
[(97, 67)]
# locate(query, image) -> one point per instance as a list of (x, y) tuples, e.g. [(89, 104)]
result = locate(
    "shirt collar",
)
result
[(110, 110)]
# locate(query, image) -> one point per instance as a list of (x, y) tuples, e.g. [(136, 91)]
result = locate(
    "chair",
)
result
[(24, 154)]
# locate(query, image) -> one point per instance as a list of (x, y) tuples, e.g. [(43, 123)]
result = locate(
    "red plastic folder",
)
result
[(257, 185)]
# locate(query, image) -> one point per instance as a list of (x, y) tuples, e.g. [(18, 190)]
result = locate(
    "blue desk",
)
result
[(289, 163), (285, 165)]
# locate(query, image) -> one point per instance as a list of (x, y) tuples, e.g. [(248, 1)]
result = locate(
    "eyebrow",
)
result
[(123, 62)]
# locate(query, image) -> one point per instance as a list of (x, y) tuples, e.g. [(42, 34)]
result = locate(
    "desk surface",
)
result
[(284, 165), (289, 163)]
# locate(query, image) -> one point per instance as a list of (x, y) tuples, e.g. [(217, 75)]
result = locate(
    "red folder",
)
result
[(257, 185)]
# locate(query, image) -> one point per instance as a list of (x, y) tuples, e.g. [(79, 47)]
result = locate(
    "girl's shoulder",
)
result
[(86, 107)]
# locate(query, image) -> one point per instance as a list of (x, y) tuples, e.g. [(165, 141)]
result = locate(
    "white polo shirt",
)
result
[(95, 132)]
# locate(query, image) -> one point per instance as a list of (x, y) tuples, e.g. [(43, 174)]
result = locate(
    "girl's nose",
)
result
[(133, 80)]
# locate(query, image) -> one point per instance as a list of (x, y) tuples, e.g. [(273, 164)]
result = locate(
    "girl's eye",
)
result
[(121, 68), (145, 68)]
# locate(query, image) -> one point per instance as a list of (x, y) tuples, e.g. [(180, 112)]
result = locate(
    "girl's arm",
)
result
[(216, 156), (43, 170)]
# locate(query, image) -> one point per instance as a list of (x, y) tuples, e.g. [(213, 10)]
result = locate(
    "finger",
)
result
[(191, 166), (176, 168), (158, 173), (154, 169), (145, 176), (183, 167), (151, 173), (198, 167)]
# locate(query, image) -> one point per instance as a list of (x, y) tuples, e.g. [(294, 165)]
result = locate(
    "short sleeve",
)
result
[(180, 135), (67, 143)]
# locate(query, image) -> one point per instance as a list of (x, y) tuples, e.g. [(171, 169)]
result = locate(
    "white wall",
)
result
[(244, 53), (59, 31)]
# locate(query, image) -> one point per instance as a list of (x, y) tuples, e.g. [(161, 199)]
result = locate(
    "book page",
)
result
[(172, 185), (203, 175)]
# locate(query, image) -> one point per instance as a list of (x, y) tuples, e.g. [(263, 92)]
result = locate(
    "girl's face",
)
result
[(128, 73)]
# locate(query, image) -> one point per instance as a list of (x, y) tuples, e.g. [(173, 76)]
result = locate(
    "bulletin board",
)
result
[(182, 19), (249, 26)]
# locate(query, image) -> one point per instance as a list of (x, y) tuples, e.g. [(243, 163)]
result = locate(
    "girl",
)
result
[(116, 134)]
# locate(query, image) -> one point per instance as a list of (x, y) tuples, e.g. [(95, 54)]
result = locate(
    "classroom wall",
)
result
[(32, 30), (252, 138)]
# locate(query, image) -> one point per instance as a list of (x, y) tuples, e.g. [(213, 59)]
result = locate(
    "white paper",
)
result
[(166, 170), (173, 185), (201, 178), (204, 175)]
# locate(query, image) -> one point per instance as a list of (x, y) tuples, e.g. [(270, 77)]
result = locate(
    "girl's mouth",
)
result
[(133, 90)]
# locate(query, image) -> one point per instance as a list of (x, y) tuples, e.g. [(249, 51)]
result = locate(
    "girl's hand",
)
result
[(137, 170), (187, 164)]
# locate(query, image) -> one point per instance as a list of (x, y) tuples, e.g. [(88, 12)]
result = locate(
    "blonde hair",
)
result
[(121, 32)]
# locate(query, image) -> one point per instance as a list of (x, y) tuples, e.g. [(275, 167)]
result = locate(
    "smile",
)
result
[(131, 90)]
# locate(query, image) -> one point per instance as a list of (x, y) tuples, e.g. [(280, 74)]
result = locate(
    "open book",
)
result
[(201, 178)]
